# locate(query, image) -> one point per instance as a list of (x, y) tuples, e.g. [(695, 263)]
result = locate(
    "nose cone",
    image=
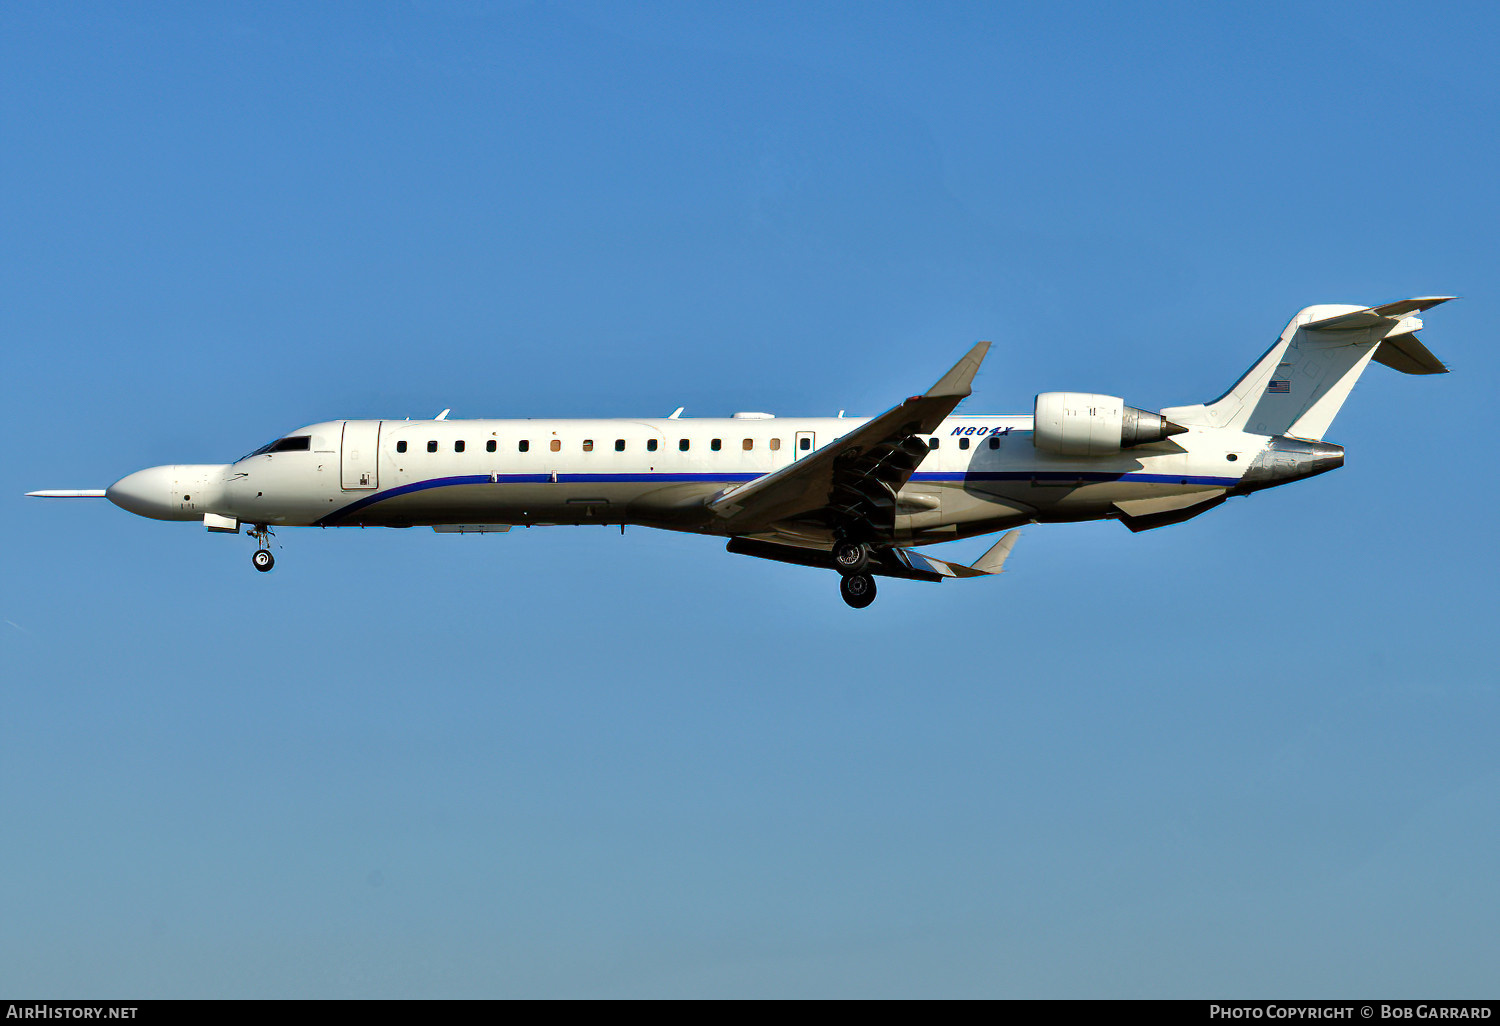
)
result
[(169, 493), (146, 493)]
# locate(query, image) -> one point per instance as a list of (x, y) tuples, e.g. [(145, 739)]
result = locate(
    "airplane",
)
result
[(845, 494)]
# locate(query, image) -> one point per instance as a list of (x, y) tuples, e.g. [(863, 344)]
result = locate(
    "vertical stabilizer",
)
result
[(1300, 383)]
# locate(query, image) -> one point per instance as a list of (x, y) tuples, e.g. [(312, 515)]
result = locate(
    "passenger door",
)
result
[(360, 451)]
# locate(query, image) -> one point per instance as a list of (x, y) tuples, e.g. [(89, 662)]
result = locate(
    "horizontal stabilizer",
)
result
[(70, 493), (1408, 355), (1373, 315)]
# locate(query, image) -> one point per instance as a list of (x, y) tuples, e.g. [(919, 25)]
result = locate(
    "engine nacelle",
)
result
[(1084, 424)]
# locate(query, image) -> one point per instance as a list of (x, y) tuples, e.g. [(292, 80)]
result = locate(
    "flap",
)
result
[(1167, 503)]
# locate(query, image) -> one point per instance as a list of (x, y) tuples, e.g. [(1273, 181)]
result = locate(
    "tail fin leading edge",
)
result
[(1298, 386)]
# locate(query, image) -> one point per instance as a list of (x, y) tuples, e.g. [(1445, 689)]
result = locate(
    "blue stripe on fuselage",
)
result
[(1090, 477)]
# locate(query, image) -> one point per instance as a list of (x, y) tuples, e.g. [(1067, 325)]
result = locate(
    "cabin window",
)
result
[(489, 446), (588, 445), (458, 446), (716, 444), (683, 444), (775, 444), (432, 447), (556, 445), (963, 443), (650, 445), (401, 445), (932, 443), (749, 444), (524, 445), (619, 445), (804, 444), (994, 442)]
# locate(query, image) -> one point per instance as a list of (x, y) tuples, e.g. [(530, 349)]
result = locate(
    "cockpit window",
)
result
[(296, 443)]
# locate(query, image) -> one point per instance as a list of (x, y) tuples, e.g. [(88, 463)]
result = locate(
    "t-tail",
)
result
[(1299, 385)]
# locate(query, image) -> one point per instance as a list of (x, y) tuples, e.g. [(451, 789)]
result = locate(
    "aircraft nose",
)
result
[(146, 493)]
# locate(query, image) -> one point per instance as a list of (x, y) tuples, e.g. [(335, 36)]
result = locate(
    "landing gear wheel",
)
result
[(851, 557), (263, 560), (858, 590)]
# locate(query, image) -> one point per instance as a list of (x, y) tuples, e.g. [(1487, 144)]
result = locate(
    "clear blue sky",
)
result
[(1252, 755)]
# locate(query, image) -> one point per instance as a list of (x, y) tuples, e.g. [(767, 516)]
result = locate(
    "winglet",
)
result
[(993, 561), (961, 376)]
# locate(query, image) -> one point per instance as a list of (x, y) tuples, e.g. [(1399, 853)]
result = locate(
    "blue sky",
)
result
[(1252, 755)]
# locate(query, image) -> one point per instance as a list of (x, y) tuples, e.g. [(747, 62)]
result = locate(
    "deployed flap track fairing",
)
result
[(844, 494)]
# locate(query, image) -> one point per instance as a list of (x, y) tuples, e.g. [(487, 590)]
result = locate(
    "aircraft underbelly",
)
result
[(543, 502)]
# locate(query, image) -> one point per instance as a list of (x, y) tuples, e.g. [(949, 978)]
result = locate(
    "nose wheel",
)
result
[(263, 560), (857, 589)]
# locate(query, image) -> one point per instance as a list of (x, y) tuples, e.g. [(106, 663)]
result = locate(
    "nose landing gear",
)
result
[(262, 559)]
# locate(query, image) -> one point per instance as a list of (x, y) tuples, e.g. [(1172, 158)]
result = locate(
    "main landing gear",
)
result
[(852, 557), (262, 559), (857, 589), (852, 560)]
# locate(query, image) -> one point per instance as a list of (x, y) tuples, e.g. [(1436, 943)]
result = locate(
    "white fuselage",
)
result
[(844, 494), (984, 474)]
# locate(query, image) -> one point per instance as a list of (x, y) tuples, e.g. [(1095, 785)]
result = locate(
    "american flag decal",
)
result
[(1279, 387)]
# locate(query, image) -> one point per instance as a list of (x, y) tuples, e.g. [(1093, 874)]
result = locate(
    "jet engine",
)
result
[(1084, 424)]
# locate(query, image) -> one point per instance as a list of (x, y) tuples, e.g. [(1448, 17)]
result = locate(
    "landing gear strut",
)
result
[(857, 589), (262, 559)]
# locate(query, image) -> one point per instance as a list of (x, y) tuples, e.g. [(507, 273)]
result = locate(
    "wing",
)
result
[(857, 476), (894, 562)]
